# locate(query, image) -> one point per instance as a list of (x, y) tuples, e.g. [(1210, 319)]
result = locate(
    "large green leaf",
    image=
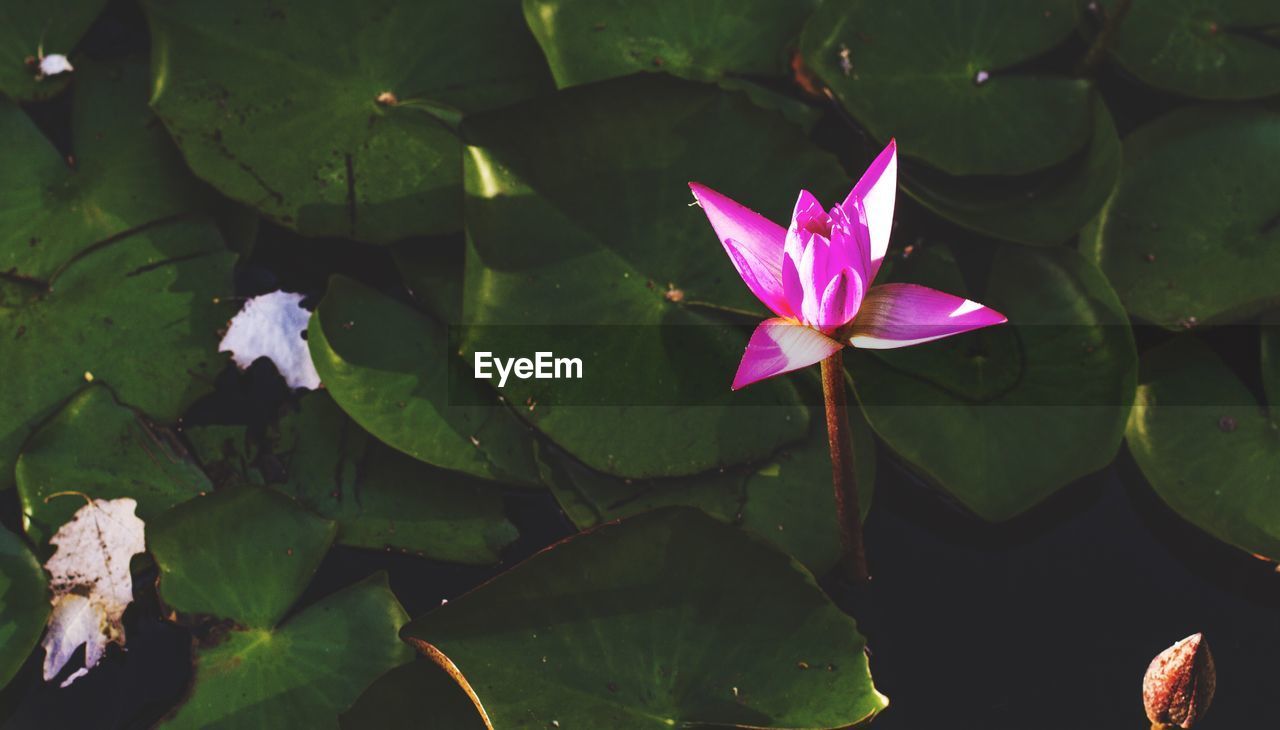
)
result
[(1192, 233), (590, 40), (583, 243), (787, 499), (1211, 49), (655, 622), (1044, 209), (128, 294), (943, 77), (238, 82), (1002, 418), (245, 555), (1209, 449), (29, 28), (403, 699), (379, 497), (388, 366), (101, 449), (24, 603)]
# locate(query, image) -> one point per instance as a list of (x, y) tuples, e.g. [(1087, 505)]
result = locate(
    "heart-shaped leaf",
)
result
[(1043, 209), (98, 448), (1203, 48), (590, 40), (655, 622), (245, 554), (363, 95), (29, 30), (1209, 449), (786, 499), (941, 76), (103, 284), (584, 244), (1192, 233), (1002, 418), (24, 603), (379, 497), (388, 366)]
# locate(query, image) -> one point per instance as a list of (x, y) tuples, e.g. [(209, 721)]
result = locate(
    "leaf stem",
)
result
[(853, 556)]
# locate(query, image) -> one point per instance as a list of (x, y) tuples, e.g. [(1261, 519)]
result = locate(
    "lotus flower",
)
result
[(817, 275)]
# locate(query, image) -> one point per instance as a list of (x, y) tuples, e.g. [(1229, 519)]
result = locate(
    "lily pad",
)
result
[(24, 603), (364, 95), (944, 77), (1044, 209), (1192, 232), (136, 308), (404, 696), (1208, 448), (591, 40), (28, 29), (379, 497), (388, 367), (583, 243), (96, 447), (1208, 49), (654, 622), (786, 499), (245, 555), (1002, 418)]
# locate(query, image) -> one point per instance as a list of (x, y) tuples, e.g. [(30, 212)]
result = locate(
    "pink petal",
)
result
[(753, 242), (851, 240), (780, 346), (877, 190), (897, 315), (840, 300), (759, 277)]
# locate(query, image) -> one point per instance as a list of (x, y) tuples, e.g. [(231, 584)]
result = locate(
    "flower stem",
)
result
[(853, 556)]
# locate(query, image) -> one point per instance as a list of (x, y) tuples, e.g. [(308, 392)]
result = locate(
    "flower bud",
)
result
[(1179, 684)]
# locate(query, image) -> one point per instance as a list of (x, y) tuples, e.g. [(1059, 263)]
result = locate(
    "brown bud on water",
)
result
[(1179, 684)]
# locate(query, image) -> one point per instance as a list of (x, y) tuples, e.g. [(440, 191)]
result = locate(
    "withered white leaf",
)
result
[(271, 326), (90, 582), (54, 64)]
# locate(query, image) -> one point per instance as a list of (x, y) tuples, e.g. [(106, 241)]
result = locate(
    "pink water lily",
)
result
[(816, 276)]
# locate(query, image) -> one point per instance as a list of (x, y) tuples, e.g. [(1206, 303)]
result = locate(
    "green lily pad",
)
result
[(591, 40), (28, 29), (245, 555), (388, 366), (655, 622), (363, 95), (583, 243), (1002, 418), (401, 698), (432, 272), (24, 604), (1191, 234), (786, 499), (379, 497), (99, 448), (942, 77), (1210, 49), (129, 294), (1040, 210), (1207, 447)]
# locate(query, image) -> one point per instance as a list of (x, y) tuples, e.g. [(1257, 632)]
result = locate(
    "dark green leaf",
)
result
[(590, 40), (98, 448), (911, 69), (24, 603), (414, 696), (1191, 234), (1002, 418), (238, 82), (388, 366), (658, 621), (1209, 449)]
